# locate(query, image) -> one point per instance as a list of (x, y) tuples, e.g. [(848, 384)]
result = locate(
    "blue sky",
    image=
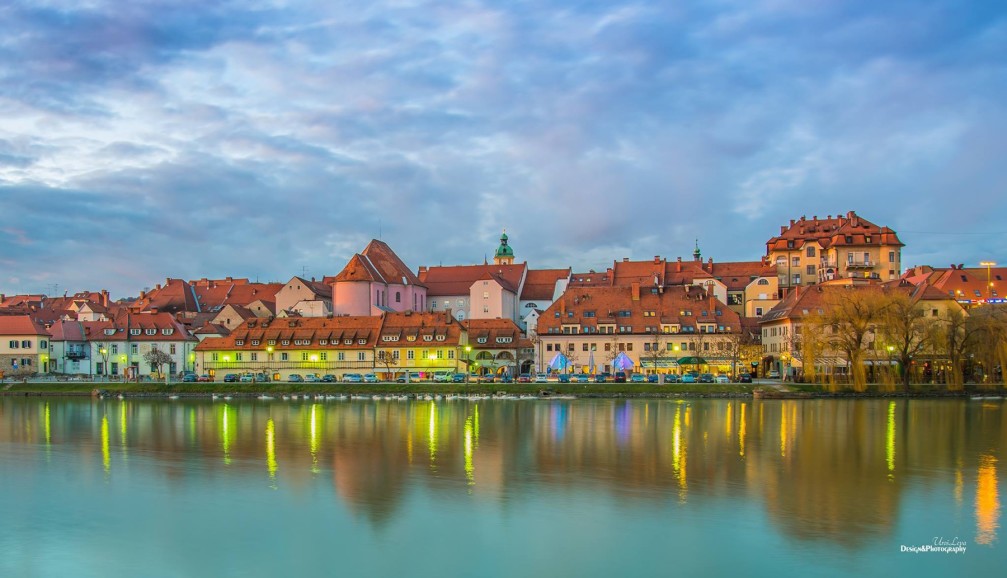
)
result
[(155, 138)]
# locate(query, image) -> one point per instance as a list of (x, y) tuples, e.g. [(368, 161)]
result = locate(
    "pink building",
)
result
[(374, 281)]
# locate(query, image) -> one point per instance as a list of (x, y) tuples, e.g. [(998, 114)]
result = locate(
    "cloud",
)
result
[(256, 138)]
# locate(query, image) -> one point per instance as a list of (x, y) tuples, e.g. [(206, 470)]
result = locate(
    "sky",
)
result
[(265, 139)]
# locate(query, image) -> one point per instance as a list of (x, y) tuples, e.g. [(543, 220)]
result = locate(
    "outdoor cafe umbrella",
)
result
[(623, 362), (590, 363), (691, 360), (559, 362)]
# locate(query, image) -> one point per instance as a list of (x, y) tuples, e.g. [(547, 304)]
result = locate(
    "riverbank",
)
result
[(588, 390)]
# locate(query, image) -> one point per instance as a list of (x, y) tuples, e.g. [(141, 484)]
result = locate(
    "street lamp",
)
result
[(468, 362), (989, 282)]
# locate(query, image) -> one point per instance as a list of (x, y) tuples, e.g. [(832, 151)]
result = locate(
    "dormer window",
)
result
[(285, 342), (167, 331), (481, 340), (390, 338), (271, 342), (150, 331), (347, 342), (361, 342), (110, 332), (255, 342), (411, 338), (428, 338), (323, 341), (504, 339), (239, 342), (441, 337), (134, 331)]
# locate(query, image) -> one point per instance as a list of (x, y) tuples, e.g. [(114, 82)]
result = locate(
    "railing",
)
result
[(862, 263)]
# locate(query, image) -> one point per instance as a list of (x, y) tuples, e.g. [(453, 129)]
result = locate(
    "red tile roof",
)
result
[(491, 329), (540, 284), (831, 231), (458, 279), (377, 263), (20, 325)]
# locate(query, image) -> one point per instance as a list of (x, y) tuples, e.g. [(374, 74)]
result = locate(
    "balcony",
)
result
[(848, 264), (76, 354)]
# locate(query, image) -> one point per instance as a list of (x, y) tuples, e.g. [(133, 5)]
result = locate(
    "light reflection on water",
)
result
[(826, 486)]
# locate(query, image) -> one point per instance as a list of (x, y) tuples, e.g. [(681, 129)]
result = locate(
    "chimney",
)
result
[(157, 287), (783, 229), (143, 294), (104, 297), (636, 290), (678, 265), (423, 269), (657, 259), (228, 279), (710, 264), (791, 222), (625, 259), (815, 218)]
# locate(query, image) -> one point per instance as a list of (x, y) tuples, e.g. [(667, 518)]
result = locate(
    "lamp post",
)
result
[(468, 362), (432, 357), (989, 282)]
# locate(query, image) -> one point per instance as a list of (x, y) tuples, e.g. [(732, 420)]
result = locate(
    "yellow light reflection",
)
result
[(48, 430), (727, 420), (314, 438), (122, 422), (469, 468), (959, 482), (679, 452), (783, 432), (432, 434), (106, 456), (987, 501), (741, 431), (476, 425), (271, 449), (225, 433), (890, 440)]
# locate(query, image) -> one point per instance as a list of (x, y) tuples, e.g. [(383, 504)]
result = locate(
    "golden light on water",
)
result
[(48, 427), (106, 456), (890, 440), (783, 432), (271, 448), (225, 433), (469, 468), (987, 501), (314, 438), (741, 431), (432, 433), (727, 419)]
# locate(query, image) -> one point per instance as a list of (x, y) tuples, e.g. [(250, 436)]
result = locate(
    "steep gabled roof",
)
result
[(454, 280), (21, 325), (540, 284), (377, 263)]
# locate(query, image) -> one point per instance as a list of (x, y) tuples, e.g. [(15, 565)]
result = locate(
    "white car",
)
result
[(353, 378), (773, 374), (442, 377), (722, 379)]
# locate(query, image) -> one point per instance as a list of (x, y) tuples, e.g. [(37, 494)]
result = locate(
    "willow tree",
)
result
[(989, 345), (810, 339), (850, 316), (957, 335), (904, 326)]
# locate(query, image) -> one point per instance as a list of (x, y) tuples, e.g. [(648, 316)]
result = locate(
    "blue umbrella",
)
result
[(623, 362), (590, 362), (559, 362)]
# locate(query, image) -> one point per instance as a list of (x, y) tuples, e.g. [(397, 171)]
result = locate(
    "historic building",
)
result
[(810, 251), (376, 280), (24, 345)]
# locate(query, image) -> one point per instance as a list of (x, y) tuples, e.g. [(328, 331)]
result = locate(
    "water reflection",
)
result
[(836, 471)]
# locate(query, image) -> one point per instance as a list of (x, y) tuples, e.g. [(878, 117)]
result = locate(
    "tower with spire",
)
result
[(696, 255), (504, 254)]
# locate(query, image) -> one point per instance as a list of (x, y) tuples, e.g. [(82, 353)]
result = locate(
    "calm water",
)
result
[(499, 488)]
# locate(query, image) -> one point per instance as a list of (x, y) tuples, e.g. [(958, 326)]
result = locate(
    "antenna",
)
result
[(304, 271), (379, 230)]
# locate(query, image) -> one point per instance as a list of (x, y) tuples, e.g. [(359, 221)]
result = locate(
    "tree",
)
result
[(387, 359), (988, 346), (850, 316), (655, 350), (956, 335), (904, 327), (101, 351), (156, 358)]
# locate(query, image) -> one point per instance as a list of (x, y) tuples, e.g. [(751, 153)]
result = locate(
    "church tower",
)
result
[(504, 254)]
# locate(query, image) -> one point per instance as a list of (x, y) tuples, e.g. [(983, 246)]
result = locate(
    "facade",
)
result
[(69, 351), (782, 327), (655, 326), (970, 287), (117, 347), (376, 281), (306, 298), (386, 344), (24, 346), (475, 291), (496, 346), (810, 251)]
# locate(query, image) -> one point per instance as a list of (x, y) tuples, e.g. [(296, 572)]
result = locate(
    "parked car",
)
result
[(488, 378), (581, 378), (773, 374), (231, 378), (442, 376), (672, 378), (262, 378), (505, 378), (458, 378), (541, 378), (311, 378), (620, 377), (370, 378), (745, 378), (329, 378), (412, 378), (653, 378), (563, 378), (637, 378), (706, 378), (353, 378), (246, 378), (189, 378), (295, 378), (205, 378), (688, 378), (524, 378), (601, 377), (721, 378)]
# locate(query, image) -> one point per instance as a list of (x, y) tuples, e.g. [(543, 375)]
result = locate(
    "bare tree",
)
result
[(957, 334), (851, 316), (101, 350), (904, 327), (157, 358)]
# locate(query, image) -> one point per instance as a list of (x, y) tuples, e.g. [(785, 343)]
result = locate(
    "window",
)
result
[(548, 346), (398, 297), (110, 332), (758, 311), (285, 342), (810, 252), (150, 331), (395, 354), (569, 347), (324, 356), (608, 347), (481, 340), (340, 356), (867, 238), (849, 258), (440, 354), (891, 256), (271, 342), (171, 349), (239, 342), (849, 239), (589, 314), (13, 344), (133, 349), (361, 355), (763, 282), (237, 356), (486, 294), (115, 348), (867, 258), (213, 357), (441, 337), (253, 356), (323, 341), (486, 309), (629, 347), (584, 347), (304, 356), (451, 354), (255, 342), (795, 261), (810, 270), (410, 354), (284, 356), (134, 331), (797, 278)]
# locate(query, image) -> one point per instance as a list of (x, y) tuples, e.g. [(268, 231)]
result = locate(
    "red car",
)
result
[(524, 378), (204, 377)]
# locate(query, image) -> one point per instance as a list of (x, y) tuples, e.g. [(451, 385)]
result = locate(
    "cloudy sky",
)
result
[(185, 138)]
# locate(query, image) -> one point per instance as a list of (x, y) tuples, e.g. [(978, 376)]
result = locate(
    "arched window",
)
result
[(763, 282), (398, 297), (531, 306)]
